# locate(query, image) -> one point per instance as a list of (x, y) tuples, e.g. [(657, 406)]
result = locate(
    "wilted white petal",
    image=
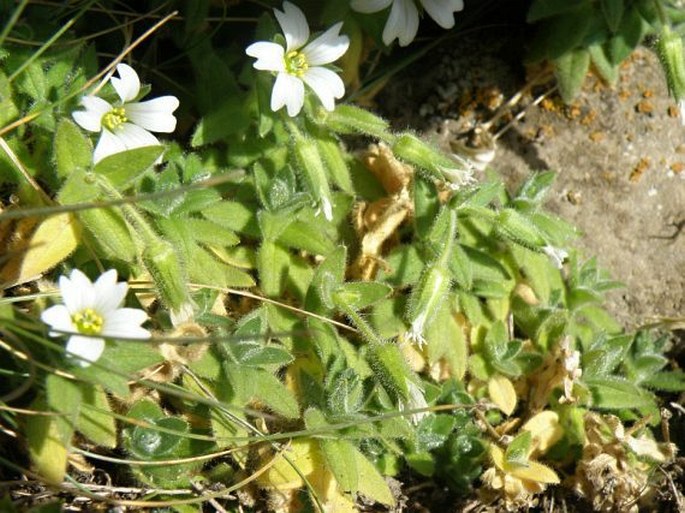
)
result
[(128, 86), (288, 91), (270, 56), (402, 24), (88, 349), (681, 106), (369, 6), (182, 314), (416, 401), (294, 26), (557, 255), (443, 11), (109, 144), (326, 84), (328, 47), (327, 208), (155, 115), (58, 318)]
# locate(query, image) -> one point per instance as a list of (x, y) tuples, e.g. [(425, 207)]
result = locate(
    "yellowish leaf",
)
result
[(48, 439), (302, 454), (545, 430), (502, 393), (52, 241), (533, 471)]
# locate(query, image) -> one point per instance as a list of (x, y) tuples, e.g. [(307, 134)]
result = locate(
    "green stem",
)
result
[(367, 331), (10, 24)]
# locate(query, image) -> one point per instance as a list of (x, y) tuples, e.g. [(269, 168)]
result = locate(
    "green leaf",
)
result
[(606, 69), (541, 9), (110, 233), (255, 354), (227, 119), (71, 149), (251, 383), (361, 294), (605, 355), (673, 381), (613, 13), (370, 482), (122, 169), (96, 421), (341, 459), (272, 264), (426, 206), (632, 29), (518, 450), (48, 438), (8, 110), (345, 392), (617, 393), (570, 70), (562, 34), (327, 278), (391, 369)]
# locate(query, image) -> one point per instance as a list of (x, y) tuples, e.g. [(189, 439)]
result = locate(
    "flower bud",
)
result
[(519, 229), (348, 119), (162, 262), (670, 50), (413, 150), (428, 294), (309, 162)]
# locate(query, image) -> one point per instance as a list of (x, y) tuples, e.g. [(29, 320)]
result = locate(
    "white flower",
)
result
[(681, 106), (298, 64), (403, 22), (91, 313), (416, 401), (557, 255), (415, 333), (125, 126)]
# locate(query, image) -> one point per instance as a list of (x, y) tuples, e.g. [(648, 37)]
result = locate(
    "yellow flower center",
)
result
[(88, 321), (296, 63), (114, 118)]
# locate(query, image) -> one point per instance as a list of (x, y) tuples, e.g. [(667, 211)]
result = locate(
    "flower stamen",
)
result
[(87, 321), (114, 118), (296, 63)]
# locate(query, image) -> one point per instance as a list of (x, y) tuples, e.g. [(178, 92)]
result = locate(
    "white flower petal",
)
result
[(443, 12), (91, 118), (109, 144), (125, 323), (289, 91), (402, 24), (326, 84), (108, 293), (294, 26), (88, 349), (557, 255), (58, 318), (77, 291), (681, 106), (155, 115), (369, 6), (328, 47), (270, 56), (128, 86), (134, 136)]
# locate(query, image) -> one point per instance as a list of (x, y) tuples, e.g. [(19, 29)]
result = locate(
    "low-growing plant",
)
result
[(314, 305)]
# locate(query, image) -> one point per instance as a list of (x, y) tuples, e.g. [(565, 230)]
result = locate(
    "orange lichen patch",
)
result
[(588, 118), (647, 93), (639, 170), (644, 107), (597, 136), (624, 94), (677, 167), (673, 111), (573, 111)]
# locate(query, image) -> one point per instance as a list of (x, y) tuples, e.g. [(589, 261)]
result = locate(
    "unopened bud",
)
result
[(310, 163), (348, 119), (162, 262), (519, 229), (670, 49), (413, 150)]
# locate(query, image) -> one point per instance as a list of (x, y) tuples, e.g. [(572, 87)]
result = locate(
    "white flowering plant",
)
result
[(286, 303)]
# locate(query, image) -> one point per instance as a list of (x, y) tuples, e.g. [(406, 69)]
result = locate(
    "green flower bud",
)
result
[(413, 150), (428, 294), (162, 262), (348, 119), (310, 163), (512, 225), (670, 50)]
